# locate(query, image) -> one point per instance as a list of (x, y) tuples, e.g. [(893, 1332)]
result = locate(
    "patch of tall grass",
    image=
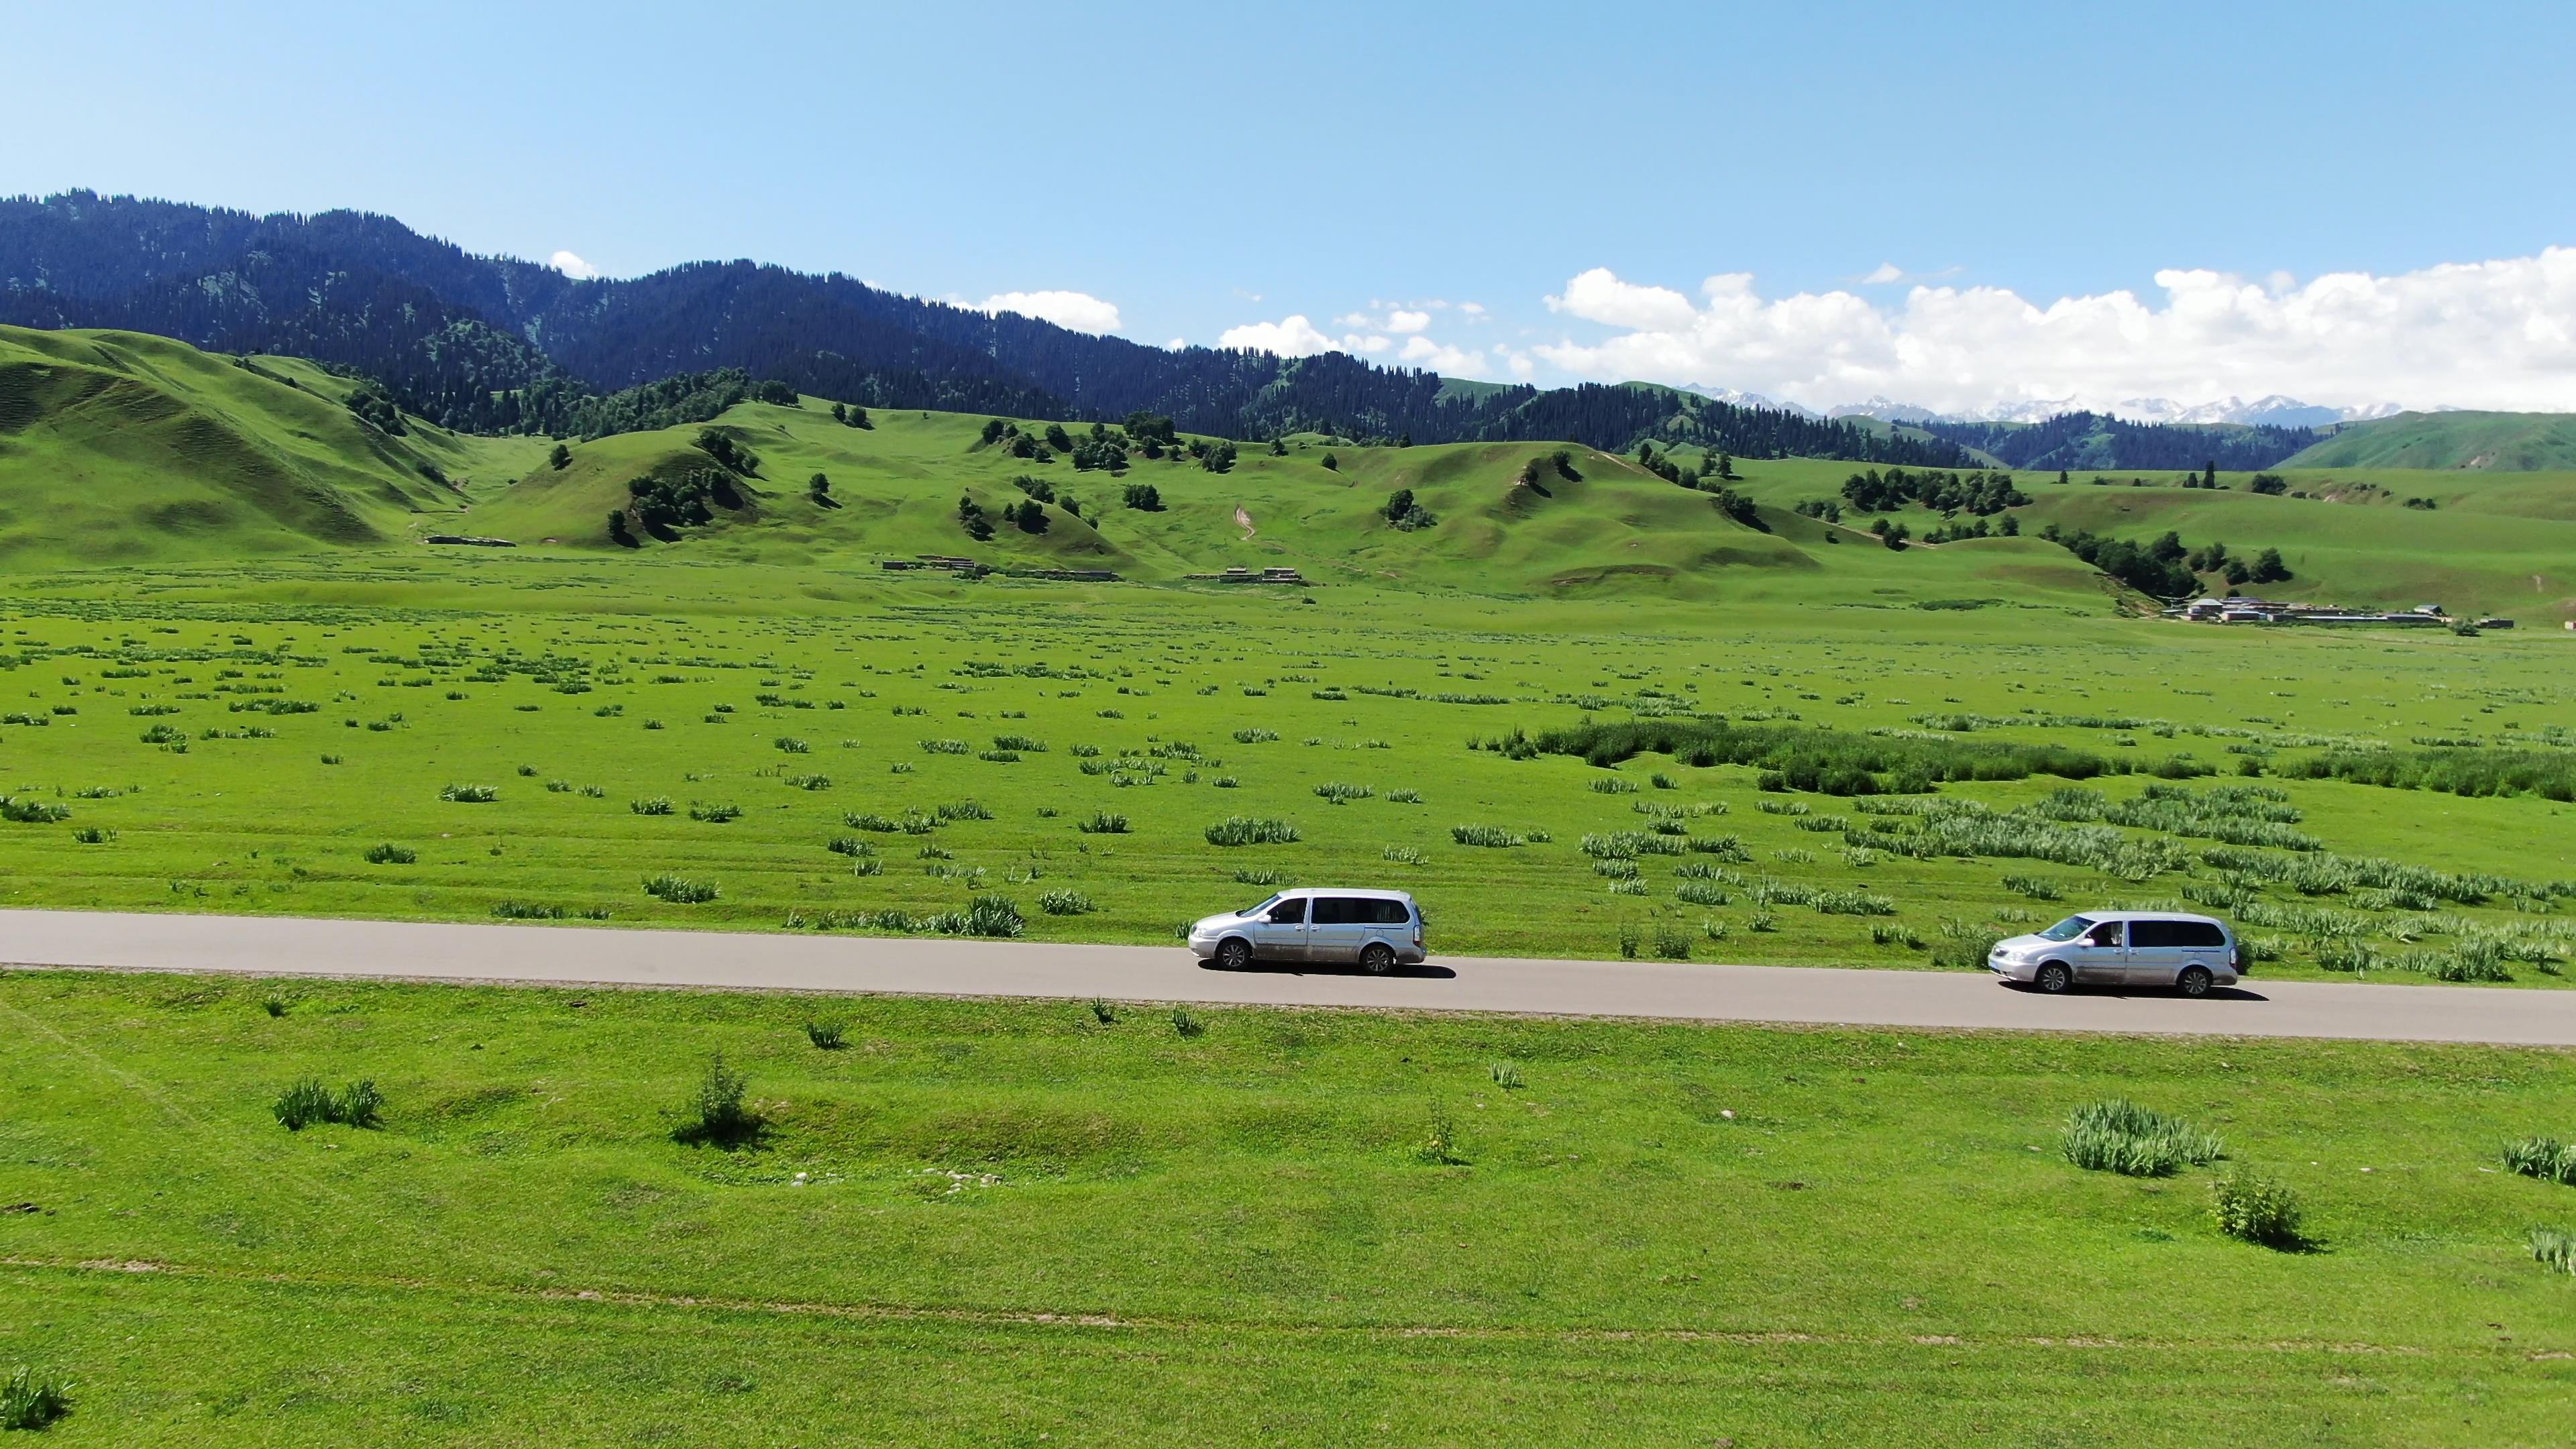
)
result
[(1251, 830), (2118, 1135)]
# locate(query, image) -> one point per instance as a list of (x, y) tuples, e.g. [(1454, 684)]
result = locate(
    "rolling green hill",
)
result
[(120, 447), (2488, 442)]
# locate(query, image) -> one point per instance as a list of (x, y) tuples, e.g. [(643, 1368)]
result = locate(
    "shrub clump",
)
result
[(470, 794), (1065, 903), (1491, 836), (717, 1113), (390, 854), (1832, 762), (2255, 1209), (2120, 1136)]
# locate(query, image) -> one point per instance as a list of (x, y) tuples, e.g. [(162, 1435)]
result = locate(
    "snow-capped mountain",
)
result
[(1738, 397), (2274, 411)]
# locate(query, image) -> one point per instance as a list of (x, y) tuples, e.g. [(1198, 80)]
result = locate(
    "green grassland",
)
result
[(242, 739), (2502, 442), (235, 678), (118, 448), (993, 1223)]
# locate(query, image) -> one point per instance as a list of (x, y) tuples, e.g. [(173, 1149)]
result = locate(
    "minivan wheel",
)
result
[(2194, 981), (1378, 959), (1234, 953), (2054, 978)]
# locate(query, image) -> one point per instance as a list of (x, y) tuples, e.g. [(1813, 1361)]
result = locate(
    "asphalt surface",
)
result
[(288, 946)]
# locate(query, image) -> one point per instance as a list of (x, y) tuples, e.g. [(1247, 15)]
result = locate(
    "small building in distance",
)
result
[(1240, 575), (2243, 609)]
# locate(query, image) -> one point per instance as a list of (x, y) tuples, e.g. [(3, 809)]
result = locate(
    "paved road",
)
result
[(284, 946)]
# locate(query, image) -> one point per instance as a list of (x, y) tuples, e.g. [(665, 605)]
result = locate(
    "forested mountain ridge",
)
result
[(470, 341), (2077, 441)]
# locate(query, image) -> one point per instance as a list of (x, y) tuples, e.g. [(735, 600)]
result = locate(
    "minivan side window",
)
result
[(1289, 912), (1392, 913), (2200, 933), (2105, 934), (2154, 933), (1339, 911)]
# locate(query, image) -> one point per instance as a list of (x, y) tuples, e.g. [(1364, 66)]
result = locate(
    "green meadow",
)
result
[(1578, 711), (836, 750), (997, 1223)]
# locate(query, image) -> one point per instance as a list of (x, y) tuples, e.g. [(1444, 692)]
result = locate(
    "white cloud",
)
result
[(1290, 336), (1472, 309), (1882, 274), (1298, 336), (1177, 343), (572, 266), (1448, 361), (1599, 296), (2498, 334), (1079, 311)]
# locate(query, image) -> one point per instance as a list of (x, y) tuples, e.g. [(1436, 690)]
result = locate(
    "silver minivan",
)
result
[(2124, 948), (1374, 930)]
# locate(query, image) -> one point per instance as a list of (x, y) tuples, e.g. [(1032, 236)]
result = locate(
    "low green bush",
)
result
[(2256, 1209), (717, 1113), (825, 1033), (390, 854)]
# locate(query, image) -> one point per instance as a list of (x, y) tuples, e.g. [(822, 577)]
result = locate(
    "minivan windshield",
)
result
[(1263, 904), (2068, 929)]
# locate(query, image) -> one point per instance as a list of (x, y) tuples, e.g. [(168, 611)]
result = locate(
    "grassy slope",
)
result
[(135, 449), (2495, 543), (120, 447), (1020, 1225), (1619, 529), (2499, 442)]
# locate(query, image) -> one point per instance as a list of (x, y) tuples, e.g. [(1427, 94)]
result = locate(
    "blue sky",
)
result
[(1202, 168)]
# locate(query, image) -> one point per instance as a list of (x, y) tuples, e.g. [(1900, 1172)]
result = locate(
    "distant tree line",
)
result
[(2084, 440)]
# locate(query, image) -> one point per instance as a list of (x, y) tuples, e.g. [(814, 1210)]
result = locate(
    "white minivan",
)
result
[(2123, 948), (1374, 930)]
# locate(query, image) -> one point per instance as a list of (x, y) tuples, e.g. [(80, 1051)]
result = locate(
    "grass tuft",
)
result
[(1251, 830), (2545, 1158), (2120, 1136), (32, 1400)]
